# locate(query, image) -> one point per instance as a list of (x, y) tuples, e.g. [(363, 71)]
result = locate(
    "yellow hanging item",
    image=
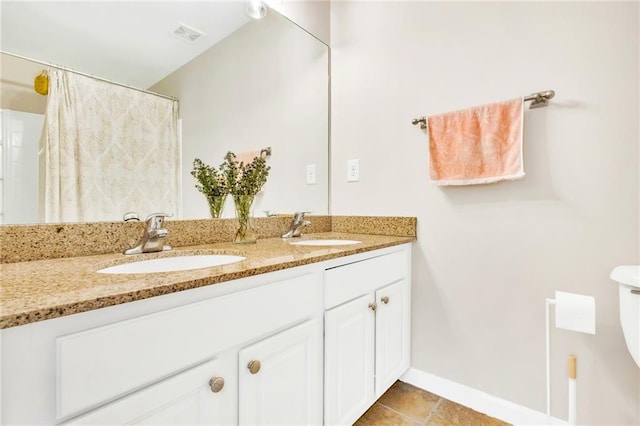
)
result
[(41, 83)]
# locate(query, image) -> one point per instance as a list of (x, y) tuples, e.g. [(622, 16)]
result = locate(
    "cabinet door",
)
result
[(392, 334), (349, 360), (186, 398), (280, 378)]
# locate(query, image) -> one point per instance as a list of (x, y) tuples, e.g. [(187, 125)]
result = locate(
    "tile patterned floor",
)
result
[(407, 405)]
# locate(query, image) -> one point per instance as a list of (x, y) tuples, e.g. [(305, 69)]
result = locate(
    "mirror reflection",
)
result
[(250, 85)]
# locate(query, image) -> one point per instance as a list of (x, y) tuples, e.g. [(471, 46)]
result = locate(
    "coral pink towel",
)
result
[(477, 145)]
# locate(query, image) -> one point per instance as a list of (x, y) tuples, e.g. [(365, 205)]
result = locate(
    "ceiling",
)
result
[(129, 42)]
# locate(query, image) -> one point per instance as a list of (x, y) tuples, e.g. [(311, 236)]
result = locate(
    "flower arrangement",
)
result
[(244, 182), (212, 184), (244, 179)]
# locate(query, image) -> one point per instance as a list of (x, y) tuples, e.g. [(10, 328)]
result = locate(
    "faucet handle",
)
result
[(300, 215), (155, 221)]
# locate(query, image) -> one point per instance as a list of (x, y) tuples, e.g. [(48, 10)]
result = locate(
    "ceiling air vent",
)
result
[(187, 33)]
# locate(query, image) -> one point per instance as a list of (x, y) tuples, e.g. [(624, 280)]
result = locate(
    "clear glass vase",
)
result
[(216, 204), (245, 233)]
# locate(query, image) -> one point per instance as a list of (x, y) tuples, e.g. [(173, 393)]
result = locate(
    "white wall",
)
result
[(265, 85), (488, 256), (312, 15)]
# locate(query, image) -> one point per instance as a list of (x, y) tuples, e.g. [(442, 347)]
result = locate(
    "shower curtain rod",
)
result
[(48, 64), (540, 99)]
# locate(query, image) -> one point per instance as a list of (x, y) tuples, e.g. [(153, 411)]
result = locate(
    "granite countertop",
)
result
[(44, 289)]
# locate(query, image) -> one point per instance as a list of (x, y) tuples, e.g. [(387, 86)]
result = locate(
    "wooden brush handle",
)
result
[(572, 367)]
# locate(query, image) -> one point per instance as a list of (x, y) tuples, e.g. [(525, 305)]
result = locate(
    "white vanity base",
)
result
[(305, 345)]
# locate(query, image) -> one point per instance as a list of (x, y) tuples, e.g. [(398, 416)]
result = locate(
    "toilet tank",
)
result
[(628, 278)]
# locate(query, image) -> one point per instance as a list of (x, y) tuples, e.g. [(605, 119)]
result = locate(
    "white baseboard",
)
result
[(477, 400)]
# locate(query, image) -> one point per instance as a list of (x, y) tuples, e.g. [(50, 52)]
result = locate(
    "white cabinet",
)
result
[(187, 398), (392, 334), (367, 337), (280, 378), (275, 381), (349, 360), (192, 357), (166, 366)]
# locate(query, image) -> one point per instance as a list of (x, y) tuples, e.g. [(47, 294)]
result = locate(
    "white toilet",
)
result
[(628, 277)]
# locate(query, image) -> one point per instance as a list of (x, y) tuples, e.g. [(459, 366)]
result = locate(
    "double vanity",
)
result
[(309, 331)]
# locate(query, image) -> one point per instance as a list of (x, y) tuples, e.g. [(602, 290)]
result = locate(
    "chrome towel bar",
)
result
[(538, 100)]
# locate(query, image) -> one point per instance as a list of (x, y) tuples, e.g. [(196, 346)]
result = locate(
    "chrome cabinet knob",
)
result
[(216, 384), (384, 299), (635, 291), (254, 366), (373, 306)]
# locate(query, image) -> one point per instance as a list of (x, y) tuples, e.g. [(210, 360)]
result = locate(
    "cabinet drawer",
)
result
[(350, 281), (101, 364)]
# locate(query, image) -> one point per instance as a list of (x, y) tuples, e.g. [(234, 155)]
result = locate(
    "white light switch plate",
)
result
[(311, 174), (353, 170)]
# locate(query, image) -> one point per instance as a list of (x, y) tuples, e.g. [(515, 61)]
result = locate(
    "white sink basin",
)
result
[(172, 264), (325, 242)]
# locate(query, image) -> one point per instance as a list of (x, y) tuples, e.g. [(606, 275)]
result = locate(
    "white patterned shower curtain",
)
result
[(109, 150)]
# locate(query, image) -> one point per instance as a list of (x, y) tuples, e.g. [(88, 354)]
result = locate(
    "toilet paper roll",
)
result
[(575, 312)]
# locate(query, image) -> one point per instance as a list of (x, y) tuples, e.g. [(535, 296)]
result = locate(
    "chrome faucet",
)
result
[(297, 225), (154, 234)]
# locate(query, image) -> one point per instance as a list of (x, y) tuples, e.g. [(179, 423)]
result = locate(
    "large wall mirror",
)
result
[(242, 85)]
